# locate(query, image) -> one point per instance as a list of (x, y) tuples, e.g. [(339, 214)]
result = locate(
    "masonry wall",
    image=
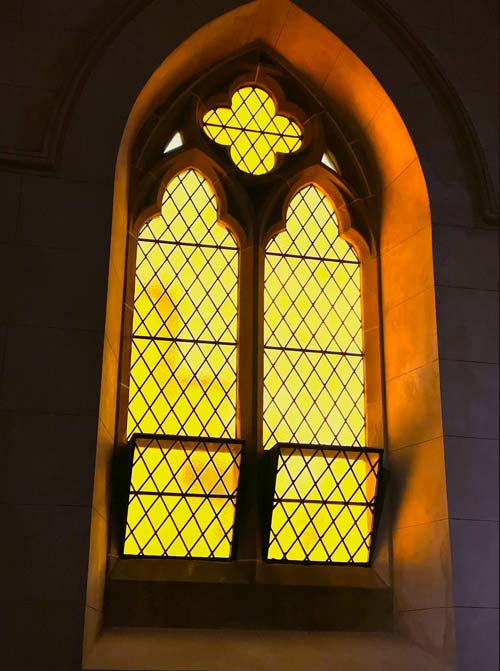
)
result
[(54, 249)]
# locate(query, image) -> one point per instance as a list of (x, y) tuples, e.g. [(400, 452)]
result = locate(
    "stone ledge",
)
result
[(244, 572), (221, 650), (247, 605)]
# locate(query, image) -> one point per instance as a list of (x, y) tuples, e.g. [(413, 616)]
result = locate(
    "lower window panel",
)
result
[(182, 497), (323, 504)]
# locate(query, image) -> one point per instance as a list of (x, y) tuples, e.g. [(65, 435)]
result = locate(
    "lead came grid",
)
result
[(183, 361), (313, 358), (323, 504), (253, 130), (182, 498)]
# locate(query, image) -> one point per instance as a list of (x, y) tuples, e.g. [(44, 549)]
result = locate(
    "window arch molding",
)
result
[(234, 206)]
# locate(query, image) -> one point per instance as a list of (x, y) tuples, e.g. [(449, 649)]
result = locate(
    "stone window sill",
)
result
[(246, 595)]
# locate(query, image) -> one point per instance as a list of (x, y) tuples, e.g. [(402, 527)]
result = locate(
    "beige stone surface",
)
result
[(418, 390), (385, 130), (102, 470), (97, 561), (433, 629), (422, 566), (403, 205), (406, 268), (213, 650), (410, 334), (305, 48), (419, 491), (365, 101)]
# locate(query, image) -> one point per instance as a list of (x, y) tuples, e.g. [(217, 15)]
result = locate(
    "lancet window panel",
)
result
[(313, 356), (184, 333)]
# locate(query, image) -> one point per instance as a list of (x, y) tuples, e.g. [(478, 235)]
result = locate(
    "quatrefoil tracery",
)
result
[(253, 130)]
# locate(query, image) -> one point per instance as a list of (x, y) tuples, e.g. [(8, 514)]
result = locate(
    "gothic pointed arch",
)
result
[(382, 168)]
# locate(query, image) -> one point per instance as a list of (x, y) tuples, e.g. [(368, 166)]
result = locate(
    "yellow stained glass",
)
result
[(313, 358), (183, 361), (253, 130), (323, 505), (182, 498), (314, 389)]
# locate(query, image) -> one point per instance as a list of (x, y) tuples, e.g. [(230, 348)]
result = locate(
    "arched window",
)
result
[(237, 353), (183, 378)]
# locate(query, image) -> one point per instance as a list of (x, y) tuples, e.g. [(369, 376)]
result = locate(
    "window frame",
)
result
[(252, 228)]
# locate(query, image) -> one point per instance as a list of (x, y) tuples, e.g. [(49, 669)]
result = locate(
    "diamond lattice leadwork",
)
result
[(182, 497), (183, 360), (324, 503), (253, 130), (313, 358)]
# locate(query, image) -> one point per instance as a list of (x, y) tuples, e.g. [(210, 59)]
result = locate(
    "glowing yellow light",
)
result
[(253, 130), (183, 363), (182, 499), (183, 377), (313, 385), (313, 363), (323, 508)]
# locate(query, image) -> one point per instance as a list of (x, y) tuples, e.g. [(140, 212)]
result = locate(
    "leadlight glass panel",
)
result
[(253, 130), (314, 390), (324, 504), (182, 498), (313, 357), (183, 361)]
